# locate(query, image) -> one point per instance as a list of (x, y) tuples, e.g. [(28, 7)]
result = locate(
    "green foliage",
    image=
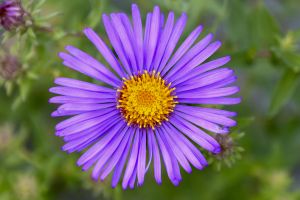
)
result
[(263, 38), (284, 90)]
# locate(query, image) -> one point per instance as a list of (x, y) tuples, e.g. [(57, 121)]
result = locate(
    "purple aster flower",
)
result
[(11, 14), (151, 106)]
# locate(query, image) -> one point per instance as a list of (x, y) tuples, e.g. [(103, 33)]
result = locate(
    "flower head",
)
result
[(151, 105), (11, 14)]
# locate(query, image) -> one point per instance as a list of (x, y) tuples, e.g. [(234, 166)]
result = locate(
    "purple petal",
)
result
[(96, 148), (132, 38), (211, 101), (203, 123), (132, 159), (176, 150), (89, 136), (64, 113), (124, 40), (74, 92), (87, 165), (210, 92), (170, 161), (86, 132), (189, 150), (156, 157), (176, 33), (67, 99), (203, 68), (222, 83), (184, 47), (104, 50), (198, 59), (89, 60), (74, 83), (190, 88), (194, 133), (132, 178), (138, 32), (215, 118), (108, 151), (150, 150), (116, 43), (163, 41), (142, 159), (161, 25), (213, 110), (69, 107), (211, 84), (86, 124), (153, 37), (115, 158), (146, 38), (120, 165), (205, 79), (82, 117), (193, 52), (83, 68)]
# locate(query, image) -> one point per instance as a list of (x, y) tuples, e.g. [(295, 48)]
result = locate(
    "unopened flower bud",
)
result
[(9, 67), (11, 14)]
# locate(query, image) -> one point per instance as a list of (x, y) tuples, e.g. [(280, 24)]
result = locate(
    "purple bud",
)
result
[(11, 14)]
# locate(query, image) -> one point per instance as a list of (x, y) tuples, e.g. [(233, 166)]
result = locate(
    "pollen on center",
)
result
[(146, 100)]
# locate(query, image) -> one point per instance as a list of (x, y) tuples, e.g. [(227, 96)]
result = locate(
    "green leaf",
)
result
[(292, 60), (286, 50), (94, 18), (50, 16), (9, 86), (250, 27), (263, 26), (284, 90), (38, 5)]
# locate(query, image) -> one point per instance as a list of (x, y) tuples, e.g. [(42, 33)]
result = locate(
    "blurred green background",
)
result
[(262, 161)]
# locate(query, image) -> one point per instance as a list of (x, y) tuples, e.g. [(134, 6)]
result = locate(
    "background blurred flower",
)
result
[(6, 137), (25, 187), (11, 14), (230, 149), (9, 67)]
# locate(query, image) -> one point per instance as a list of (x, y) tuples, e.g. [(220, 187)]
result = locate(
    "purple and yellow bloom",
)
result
[(154, 104), (11, 14)]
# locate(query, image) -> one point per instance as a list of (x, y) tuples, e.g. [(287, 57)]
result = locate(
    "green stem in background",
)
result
[(283, 91), (220, 17), (118, 193)]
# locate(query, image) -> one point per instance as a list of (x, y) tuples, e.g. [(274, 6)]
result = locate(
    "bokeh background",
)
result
[(261, 158)]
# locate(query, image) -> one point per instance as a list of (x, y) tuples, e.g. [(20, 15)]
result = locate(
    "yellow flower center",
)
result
[(146, 100)]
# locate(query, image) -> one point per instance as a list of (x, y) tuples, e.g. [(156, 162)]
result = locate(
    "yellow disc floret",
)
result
[(146, 100)]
